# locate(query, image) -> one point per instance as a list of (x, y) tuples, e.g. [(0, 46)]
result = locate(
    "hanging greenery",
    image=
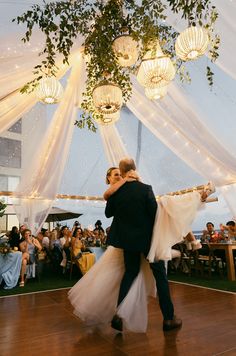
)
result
[(100, 22), (2, 208)]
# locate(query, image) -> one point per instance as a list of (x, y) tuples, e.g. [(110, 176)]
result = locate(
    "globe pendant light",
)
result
[(49, 90), (107, 98), (191, 43), (156, 69), (126, 49)]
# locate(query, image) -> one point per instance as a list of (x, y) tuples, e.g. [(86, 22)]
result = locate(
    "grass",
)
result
[(216, 282)]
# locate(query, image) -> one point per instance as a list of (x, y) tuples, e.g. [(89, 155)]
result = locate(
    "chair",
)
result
[(209, 263), (34, 269), (185, 264)]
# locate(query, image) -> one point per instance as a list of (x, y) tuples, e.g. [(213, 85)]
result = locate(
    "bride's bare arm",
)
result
[(113, 188), (131, 176)]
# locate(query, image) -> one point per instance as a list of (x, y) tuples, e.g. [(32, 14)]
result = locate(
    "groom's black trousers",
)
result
[(132, 261)]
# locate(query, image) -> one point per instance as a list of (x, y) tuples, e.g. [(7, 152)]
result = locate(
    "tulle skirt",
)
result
[(95, 296)]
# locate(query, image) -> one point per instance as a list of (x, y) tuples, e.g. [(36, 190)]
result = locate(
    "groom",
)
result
[(133, 208)]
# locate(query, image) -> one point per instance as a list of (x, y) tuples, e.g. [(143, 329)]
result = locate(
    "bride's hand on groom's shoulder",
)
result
[(132, 176)]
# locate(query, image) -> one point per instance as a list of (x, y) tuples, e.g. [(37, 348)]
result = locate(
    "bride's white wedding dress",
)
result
[(95, 295)]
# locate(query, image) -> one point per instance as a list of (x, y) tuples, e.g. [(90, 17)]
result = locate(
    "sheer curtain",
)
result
[(180, 130), (42, 177), (229, 194), (113, 146), (14, 105)]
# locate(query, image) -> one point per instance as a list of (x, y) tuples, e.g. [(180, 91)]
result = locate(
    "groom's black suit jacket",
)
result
[(133, 208)]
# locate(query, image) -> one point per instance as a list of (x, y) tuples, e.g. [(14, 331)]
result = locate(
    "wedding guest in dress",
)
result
[(28, 247), (84, 260)]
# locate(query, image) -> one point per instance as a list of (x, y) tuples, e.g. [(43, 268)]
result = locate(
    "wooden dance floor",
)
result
[(43, 324)]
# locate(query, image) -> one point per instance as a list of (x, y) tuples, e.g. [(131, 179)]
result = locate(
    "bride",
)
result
[(94, 297)]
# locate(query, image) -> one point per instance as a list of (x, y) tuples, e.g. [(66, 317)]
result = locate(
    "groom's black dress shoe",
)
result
[(117, 323), (175, 323)]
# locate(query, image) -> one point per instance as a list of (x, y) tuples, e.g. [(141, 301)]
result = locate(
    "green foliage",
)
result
[(100, 22), (2, 208)]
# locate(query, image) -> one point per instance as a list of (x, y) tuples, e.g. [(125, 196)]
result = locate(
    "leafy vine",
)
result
[(100, 22)]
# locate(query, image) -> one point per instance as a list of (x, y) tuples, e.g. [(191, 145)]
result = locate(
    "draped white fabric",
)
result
[(15, 104), (179, 129), (113, 145), (229, 193), (42, 178), (14, 107)]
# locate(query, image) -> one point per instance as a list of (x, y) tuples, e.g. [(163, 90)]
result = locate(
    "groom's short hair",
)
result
[(126, 165)]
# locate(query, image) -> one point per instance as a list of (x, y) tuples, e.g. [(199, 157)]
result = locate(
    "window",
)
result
[(10, 153), (9, 183), (16, 127), (3, 183)]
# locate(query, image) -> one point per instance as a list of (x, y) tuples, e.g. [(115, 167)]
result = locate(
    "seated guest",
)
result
[(40, 237), (210, 235), (22, 228), (76, 244), (28, 247), (230, 227), (63, 235), (98, 233), (76, 224), (55, 250), (42, 255), (65, 241), (46, 240), (98, 238), (89, 237), (14, 237), (98, 226), (54, 239), (84, 260)]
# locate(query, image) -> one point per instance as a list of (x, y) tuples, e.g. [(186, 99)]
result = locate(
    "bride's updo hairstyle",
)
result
[(109, 174)]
